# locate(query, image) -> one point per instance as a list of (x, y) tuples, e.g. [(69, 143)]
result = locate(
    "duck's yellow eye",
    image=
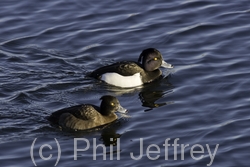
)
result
[(112, 104), (155, 58)]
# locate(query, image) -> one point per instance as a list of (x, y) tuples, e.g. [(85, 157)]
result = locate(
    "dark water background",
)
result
[(48, 47)]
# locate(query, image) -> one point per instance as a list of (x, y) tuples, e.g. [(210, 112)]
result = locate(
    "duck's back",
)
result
[(80, 117), (124, 68), (83, 111)]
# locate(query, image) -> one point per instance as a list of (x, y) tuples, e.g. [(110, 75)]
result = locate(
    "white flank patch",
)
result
[(122, 81)]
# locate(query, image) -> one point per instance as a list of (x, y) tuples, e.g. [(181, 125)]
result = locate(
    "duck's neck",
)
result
[(149, 76), (104, 110)]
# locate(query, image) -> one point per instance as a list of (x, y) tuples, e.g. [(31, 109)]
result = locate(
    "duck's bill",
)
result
[(166, 65), (122, 110)]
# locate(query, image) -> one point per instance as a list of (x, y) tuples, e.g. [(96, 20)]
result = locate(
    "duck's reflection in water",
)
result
[(109, 136), (149, 99), (152, 95)]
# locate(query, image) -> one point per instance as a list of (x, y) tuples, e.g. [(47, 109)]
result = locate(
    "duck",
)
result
[(128, 74), (87, 116)]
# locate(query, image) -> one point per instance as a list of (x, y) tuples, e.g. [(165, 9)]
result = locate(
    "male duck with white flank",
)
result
[(87, 116), (127, 74)]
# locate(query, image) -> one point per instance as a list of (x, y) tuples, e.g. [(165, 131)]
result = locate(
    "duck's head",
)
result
[(152, 59), (110, 104)]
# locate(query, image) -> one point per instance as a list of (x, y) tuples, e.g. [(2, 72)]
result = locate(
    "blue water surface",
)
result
[(47, 48)]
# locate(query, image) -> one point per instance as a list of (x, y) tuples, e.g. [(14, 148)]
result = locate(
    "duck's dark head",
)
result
[(110, 104), (152, 59)]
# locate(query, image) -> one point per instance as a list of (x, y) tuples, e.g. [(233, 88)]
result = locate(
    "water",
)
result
[(48, 47)]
